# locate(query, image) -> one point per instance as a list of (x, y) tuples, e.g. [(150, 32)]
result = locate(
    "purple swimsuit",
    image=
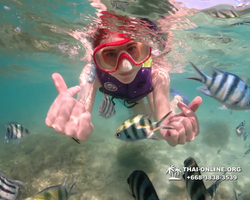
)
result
[(140, 87)]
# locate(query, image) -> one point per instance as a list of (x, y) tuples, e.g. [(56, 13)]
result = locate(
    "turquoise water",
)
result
[(30, 54)]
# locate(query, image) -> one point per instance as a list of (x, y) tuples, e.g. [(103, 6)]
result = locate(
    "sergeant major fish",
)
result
[(141, 187), (228, 89), (9, 188), (140, 127), (107, 107), (196, 189), (57, 192), (240, 129), (14, 130)]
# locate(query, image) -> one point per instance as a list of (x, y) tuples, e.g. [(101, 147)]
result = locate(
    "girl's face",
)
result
[(111, 56)]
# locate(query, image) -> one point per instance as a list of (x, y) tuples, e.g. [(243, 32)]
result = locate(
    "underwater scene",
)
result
[(204, 47)]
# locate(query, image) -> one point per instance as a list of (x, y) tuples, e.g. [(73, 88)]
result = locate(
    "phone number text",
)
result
[(213, 177)]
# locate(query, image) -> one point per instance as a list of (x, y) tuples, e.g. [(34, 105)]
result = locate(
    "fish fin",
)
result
[(195, 79), (217, 71), (76, 140), (157, 124), (20, 183), (152, 136), (71, 190), (203, 76), (236, 195), (212, 189), (204, 90), (223, 107), (166, 127)]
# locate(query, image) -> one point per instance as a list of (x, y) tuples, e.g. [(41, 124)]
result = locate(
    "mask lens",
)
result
[(107, 57)]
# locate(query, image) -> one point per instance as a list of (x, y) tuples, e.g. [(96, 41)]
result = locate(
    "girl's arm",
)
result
[(88, 91), (161, 98)]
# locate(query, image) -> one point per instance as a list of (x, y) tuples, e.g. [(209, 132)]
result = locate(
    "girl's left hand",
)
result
[(185, 124)]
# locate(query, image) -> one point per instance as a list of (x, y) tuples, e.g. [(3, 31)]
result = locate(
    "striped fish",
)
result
[(226, 13), (57, 192), (226, 88), (140, 127), (9, 188), (245, 135), (14, 131), (247, 151), (107, 107), (240, 129), (196, 189), (141, 187)]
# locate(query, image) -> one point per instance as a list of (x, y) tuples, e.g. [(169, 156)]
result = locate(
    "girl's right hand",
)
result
[(67, 115)]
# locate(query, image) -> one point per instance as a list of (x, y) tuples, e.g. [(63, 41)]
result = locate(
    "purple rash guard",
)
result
[(140, 87)]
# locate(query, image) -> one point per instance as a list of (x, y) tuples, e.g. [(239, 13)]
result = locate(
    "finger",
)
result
[(59, 83), (188, 111), (53, 111), (73, 124), (85, 126), (64, 114), (182, 136), (56, 106), (195, 104), (73, 90), (189, 133), (172, 135)]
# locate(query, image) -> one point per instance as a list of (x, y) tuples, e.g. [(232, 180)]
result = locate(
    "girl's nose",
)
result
[(125, 65)]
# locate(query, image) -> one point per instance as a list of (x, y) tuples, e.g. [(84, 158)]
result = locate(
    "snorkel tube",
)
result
[(83, 95)]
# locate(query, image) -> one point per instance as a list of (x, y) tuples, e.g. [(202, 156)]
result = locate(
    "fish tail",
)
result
[(71, 190), (202, 78)]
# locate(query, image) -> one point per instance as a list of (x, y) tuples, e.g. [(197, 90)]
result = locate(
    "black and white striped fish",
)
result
[(14, 131), (107, 107), (141, 187), (9, 188), (196, 189), (226, 88), (57, 192), (140, 127)]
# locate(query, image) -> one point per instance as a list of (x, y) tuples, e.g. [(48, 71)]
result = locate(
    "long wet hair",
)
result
[(131, 27)]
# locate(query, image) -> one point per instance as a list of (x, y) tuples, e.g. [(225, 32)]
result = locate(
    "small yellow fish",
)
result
[(57, 192), (140, 127)]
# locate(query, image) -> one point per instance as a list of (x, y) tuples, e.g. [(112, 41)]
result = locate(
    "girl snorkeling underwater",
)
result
[(123, 70)]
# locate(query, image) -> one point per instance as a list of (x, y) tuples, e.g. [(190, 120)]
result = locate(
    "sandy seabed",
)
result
[(103, 163)]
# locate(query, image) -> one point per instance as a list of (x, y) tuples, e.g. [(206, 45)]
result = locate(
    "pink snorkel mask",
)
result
[(108, 56)]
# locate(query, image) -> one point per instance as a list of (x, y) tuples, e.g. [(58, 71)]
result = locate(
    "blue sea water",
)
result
[(32, 49)]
